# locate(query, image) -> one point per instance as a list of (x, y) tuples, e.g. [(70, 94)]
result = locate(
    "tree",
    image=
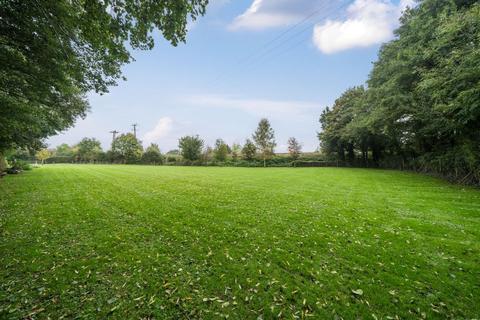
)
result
[(236, 150), (113, 156), (421, 108), (152, 155), (207, 154), (64, 150), (249, 150), (89, 149), (221, 150), (264, 138), (191, 147), (294, 148), (421, 89), (43, 155), (53, 53), (336, 138), (128, 148)]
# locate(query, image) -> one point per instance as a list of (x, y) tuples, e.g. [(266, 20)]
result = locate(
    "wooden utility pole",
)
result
[(135, 129), (114, 134)]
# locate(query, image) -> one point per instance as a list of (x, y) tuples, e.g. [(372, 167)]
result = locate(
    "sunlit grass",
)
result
[(183, 242)]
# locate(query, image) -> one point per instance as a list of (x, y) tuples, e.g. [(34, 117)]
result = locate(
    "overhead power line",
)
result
[(283, 33), (266, 57), (275, 43)]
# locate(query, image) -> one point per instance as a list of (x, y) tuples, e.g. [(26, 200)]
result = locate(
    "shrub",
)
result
[(171, 159), (21, 165), (152, 155)]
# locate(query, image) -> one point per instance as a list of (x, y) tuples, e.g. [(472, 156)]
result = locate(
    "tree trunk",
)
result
[(341, 153), (365, 157), (3, 163), (351, 154), (376, 154)]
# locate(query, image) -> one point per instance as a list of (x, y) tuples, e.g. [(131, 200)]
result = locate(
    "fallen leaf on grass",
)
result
[(358, 292)]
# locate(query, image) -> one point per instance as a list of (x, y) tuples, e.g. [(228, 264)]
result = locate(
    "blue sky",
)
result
[(245, 59)]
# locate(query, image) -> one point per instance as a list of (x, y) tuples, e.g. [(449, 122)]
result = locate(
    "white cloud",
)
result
[(368, 22), (161, 130), (256, 107), (264, 14)]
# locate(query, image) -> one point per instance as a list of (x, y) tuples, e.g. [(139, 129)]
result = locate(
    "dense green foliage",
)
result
[(21, 165), (152, 155), (422, 106), (64, 150), (144, 242), (127, 148), (191, 147), (339, 134), (88, 149), (53, 52)]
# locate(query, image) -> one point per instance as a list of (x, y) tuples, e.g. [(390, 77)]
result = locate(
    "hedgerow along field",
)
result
[(92, 241)]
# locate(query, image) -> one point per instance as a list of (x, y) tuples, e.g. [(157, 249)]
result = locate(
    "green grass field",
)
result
[(139, 242)]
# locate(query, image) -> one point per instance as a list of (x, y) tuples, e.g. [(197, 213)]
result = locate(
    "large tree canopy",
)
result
[(53, 52), (88, 149), (128, 148), (422, 105), (191, 147)]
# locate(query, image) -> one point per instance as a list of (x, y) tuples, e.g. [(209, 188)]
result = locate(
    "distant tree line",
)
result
[(127, 149), (420, 109), (191, 147)]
